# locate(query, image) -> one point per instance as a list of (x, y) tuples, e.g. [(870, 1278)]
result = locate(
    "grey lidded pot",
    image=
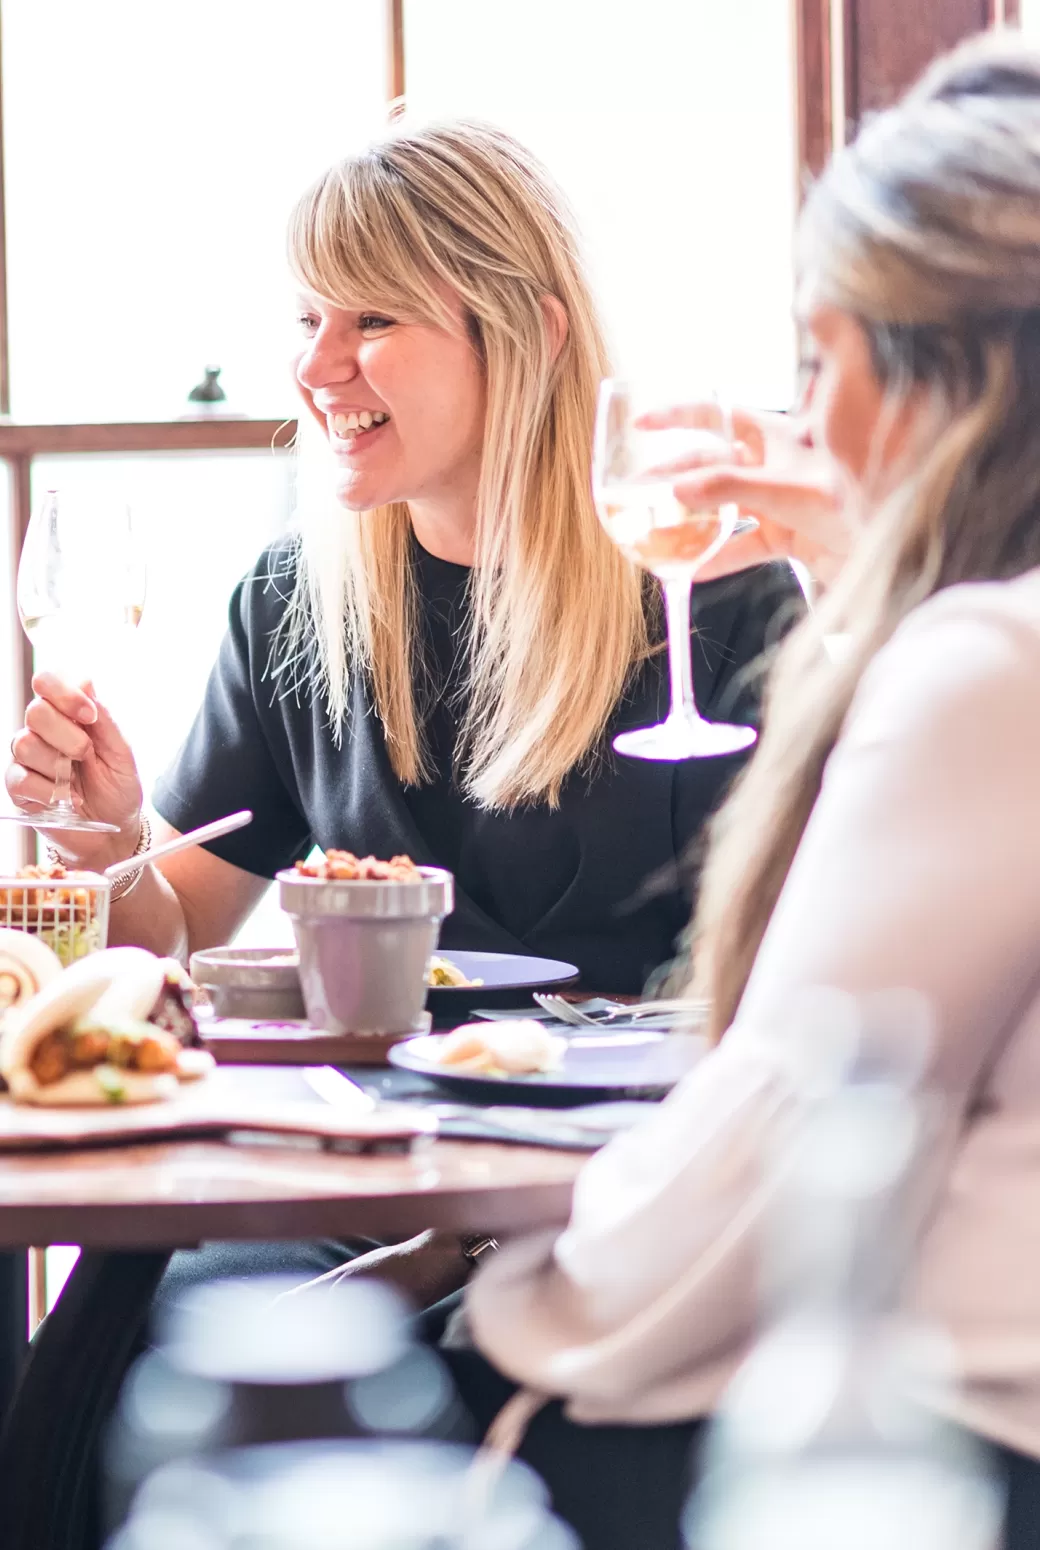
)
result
[(364, 948)]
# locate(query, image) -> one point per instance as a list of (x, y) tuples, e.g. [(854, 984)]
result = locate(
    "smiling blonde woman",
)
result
[(435, 662)]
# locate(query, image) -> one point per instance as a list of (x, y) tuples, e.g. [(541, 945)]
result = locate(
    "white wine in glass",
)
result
[(81, 587), (633, 491)]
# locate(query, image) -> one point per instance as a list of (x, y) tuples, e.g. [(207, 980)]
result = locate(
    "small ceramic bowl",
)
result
[(259, 983), (364, 948)]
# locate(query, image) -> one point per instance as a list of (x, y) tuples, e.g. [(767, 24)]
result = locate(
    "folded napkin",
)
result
[(583, 1129)]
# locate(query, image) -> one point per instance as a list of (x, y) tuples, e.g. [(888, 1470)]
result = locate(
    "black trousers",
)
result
[(619, 1487), (624, 1487)]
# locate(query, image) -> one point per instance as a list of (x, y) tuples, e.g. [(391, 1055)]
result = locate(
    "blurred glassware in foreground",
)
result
[(326, 1496), (306, 1421), (818, 1443)]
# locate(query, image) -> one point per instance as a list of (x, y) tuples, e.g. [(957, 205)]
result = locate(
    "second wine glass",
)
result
[(81, 586), (633, 478)]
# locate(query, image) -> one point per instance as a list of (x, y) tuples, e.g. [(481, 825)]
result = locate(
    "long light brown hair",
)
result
[(557, 613), (927, 230)]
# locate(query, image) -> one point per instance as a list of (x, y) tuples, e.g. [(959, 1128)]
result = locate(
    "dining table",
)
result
[(130, 1207)]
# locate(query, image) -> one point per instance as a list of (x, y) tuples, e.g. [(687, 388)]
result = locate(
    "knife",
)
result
[(335, 1088)]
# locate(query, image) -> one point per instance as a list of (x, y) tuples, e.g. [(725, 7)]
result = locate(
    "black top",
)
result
[(596, 882)]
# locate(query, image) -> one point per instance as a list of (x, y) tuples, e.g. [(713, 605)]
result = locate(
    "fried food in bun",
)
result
[(88, 1038)]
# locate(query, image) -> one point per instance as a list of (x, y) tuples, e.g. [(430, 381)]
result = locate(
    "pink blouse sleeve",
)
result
[(919, 868)]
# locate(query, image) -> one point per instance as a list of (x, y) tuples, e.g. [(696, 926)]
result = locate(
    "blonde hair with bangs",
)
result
[(927, 230), (557, 613)]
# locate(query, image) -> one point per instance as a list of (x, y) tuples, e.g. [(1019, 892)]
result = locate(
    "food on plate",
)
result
[(443, 972), (26, 966), (342, 866), (99, 1033), (67, 917), (513, 1048)]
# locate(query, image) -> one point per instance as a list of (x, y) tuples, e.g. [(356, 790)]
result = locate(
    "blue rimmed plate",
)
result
[(594, 1067), (507, 978)]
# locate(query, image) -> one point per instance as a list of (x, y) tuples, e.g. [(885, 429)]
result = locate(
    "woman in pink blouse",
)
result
[(887, 834)]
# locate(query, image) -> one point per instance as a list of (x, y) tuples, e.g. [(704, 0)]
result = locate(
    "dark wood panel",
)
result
[(889, 42), (813, 46), (395, 88), (201, 435)]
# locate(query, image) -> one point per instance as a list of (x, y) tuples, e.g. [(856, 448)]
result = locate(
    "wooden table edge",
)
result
[(502, 1208)]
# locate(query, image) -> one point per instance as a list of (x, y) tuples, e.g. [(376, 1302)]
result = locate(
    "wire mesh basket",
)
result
[(66, 910)]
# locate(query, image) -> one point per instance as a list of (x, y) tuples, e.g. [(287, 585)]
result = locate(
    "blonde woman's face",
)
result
[(402, 404), (847, 405)]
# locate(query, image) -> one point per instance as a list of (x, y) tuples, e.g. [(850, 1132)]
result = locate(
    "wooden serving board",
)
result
[(222, 1105), (237, 1041)]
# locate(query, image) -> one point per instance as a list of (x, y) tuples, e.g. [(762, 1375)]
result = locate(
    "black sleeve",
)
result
[(738, 623), (236, 754)]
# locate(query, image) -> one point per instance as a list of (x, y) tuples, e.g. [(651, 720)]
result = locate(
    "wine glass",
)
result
[(633, 474), (81, 586)]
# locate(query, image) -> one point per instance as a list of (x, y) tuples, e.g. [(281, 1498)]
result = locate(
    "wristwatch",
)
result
[(474, 1244)]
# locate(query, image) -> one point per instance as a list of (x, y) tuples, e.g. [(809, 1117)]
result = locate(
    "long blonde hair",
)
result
[(557, 614), (927, 230)]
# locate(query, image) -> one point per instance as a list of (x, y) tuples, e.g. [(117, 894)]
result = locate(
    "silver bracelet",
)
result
[(126, 885)]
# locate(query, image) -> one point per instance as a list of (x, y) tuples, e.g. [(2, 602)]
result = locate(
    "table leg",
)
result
[(14, 1322), (49, 1443)]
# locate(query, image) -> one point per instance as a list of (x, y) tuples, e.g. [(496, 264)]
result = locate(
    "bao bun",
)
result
[(27, 962), (81, 1090), (128, 979)]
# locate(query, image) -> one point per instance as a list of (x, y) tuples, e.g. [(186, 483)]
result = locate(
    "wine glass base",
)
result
[(60, 820), (677, 738)]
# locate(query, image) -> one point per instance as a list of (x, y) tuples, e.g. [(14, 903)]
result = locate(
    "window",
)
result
[(152, 154), (671, 127)]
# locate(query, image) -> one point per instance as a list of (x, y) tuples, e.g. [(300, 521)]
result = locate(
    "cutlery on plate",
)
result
[(567, 1012), (209, 831)]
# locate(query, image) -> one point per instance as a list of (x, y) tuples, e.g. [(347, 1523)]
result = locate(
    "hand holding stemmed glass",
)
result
[(634, 472), (781, 477), (81, 587)]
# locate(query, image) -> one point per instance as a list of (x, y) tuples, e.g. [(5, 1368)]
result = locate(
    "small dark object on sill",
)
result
[(209, 390)]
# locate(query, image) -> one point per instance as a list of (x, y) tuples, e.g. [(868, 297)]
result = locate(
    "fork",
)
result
[(567, 1012)]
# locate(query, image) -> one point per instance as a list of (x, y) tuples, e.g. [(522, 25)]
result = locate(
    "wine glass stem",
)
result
[(62, 794), (677, 593)]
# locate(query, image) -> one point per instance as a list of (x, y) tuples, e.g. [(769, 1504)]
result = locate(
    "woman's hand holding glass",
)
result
[(64, 723), (80, 592), (779, 477)]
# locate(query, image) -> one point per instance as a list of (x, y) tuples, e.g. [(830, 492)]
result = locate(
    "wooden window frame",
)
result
[(855, 56), (851, 56)]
